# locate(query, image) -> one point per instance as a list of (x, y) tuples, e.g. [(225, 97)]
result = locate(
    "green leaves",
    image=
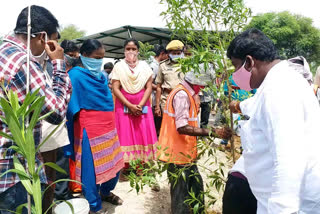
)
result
[(36, 186), (145, 51), (21, 120), (24, 177)]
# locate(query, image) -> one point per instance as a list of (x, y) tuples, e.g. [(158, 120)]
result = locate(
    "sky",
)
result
[(95, 16)]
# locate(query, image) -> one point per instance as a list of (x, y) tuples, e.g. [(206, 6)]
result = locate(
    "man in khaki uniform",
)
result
[(169, 75)]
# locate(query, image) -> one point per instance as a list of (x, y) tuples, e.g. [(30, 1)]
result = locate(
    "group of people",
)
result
[(148, 111), (109, 114)]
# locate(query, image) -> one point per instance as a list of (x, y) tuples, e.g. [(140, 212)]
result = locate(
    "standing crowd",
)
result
[(148, 111)]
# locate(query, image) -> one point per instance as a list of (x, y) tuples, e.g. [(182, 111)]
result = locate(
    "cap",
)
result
[(200, 78), (175, 45), (301, 65)]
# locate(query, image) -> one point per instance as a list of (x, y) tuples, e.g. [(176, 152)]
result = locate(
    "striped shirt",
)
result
[(13, 67), (181, 105)]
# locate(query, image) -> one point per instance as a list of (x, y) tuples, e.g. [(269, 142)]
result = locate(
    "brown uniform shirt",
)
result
[(169, 76)]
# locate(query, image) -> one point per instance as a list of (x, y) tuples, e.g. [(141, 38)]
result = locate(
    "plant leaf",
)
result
[(45, 116), (13, 124), (30, 97), (3, 119), (54, 166), (51, 133), (58, 201), (37, 106), (37, 193), (30, 152), (20, 208), (21, 174), (25, 181), (65, 179), (13, 99), (5, 135), (15, 148)]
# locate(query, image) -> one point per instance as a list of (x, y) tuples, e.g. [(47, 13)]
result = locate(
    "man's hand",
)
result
[(223, 133), (54, 50), (235, 107)]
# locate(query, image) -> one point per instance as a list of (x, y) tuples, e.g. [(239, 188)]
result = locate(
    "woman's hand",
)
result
[(135, 110), (157, 111)]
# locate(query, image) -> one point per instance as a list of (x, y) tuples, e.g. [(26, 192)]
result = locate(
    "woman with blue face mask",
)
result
[(92, 132)]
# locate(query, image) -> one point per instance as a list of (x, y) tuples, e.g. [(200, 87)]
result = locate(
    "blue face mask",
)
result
[(93, 65), (175, 57)]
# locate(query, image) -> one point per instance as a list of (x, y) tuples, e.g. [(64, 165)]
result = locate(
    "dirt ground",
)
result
[(150, 202)]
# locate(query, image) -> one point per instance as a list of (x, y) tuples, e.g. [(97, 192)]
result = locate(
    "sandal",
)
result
[(112, 198)]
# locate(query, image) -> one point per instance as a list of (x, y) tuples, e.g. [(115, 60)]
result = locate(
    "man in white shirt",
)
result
[(160, 55), (280, 140)]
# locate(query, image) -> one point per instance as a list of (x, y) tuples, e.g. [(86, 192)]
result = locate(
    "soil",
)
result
[(151, 202)]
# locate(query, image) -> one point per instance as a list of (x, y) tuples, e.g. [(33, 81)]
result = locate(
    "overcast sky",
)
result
[(94, 16)]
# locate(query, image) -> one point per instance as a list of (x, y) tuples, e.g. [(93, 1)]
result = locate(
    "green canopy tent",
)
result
[(113, 39)]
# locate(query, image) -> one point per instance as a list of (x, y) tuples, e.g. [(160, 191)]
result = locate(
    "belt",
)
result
[(238, 175)]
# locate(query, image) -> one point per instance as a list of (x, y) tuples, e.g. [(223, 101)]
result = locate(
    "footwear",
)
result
[(102, 211), (112, 198)]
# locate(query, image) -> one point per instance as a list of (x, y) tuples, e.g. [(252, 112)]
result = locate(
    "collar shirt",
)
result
[(181, 105), (13, 67), (169, 76), (245, 110), (281, 146)]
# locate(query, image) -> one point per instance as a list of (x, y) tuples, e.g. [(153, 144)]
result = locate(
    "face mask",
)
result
[(43, 57), (131, 58), (242, 78), (197, 88), (93, 65), (70, 61), (176, 57)]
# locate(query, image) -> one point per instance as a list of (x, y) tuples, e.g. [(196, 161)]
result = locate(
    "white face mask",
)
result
[(43, 57), (176, 57)]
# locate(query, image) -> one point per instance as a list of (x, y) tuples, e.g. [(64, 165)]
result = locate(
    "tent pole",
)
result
[(28, 82)]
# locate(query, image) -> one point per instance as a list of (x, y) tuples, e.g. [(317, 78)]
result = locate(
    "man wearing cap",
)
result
[(178, 141), (169, 74)]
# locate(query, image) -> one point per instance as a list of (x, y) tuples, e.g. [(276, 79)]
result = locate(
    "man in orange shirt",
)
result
[(178, 140)]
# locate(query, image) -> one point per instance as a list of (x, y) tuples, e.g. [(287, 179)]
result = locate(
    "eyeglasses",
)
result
[(33, 35)]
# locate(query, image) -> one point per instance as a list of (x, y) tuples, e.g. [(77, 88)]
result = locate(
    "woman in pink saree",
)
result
[(132, 87)]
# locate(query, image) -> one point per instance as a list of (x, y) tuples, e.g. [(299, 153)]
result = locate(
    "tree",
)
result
[(208, 26), (71, 32), (293, 35)]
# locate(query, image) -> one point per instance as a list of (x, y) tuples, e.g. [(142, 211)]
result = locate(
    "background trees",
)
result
[(293, 35), (71, 32)]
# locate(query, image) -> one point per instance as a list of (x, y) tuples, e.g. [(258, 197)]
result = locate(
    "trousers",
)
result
[(238, 198), (90, 189), (182, 186)]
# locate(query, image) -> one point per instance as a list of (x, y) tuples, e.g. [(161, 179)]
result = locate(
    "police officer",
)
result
[(169, 75)]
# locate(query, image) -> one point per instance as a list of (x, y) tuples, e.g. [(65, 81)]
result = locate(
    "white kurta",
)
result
[(281, 144)]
